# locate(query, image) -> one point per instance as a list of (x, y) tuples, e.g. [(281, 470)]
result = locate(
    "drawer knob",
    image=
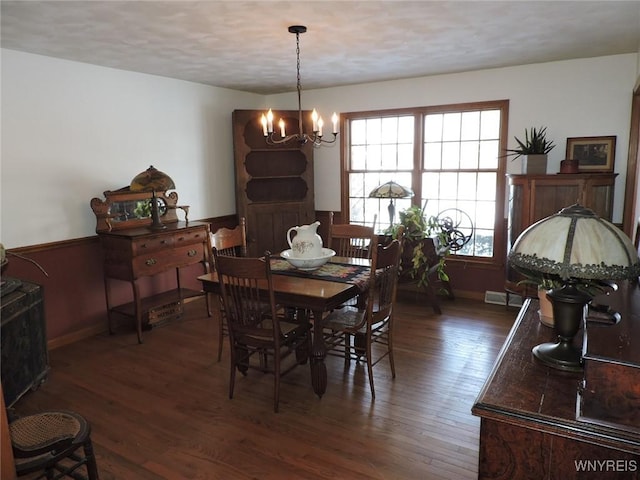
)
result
[(192, 253), (151, 261)]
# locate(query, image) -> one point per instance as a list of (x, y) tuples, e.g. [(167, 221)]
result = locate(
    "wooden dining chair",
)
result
[(351, 240), (230, 242), (373, 324), (260, 337)]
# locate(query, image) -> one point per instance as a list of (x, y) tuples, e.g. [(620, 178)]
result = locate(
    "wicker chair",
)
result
[(230, 242), (56, 443), (259, 337), (372, 324)]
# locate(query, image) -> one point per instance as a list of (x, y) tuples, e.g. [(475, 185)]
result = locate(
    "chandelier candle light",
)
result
[(317, 121)]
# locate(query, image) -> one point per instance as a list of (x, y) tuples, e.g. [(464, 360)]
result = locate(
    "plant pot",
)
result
[(546, 308), (534, 164)]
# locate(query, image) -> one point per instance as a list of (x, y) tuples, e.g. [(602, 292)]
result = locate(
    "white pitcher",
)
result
[(307, 243)]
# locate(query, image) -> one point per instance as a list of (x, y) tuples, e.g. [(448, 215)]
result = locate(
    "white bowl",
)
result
[(312, 263)]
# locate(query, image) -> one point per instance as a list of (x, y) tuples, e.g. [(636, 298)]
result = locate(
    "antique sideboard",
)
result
[(541, 423), (132, 249)]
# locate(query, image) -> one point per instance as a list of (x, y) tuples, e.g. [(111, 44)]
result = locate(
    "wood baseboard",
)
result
[(76, 336)]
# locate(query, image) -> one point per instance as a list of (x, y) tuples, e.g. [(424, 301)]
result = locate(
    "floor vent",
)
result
[(500, 298)]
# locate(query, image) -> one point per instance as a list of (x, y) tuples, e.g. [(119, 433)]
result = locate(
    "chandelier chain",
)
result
[(299, 82)]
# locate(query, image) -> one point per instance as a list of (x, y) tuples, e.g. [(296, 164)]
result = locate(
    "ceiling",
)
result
[(245, 45)]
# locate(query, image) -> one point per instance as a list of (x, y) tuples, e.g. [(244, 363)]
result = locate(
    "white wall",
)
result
[(577, 98), (70, 131)]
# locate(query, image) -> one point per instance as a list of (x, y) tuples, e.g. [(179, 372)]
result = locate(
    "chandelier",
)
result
[(316, 136)]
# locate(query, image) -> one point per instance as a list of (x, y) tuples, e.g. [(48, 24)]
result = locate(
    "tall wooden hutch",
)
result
[(274, 183)]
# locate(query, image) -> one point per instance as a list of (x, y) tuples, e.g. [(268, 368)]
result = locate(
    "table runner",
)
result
[(333, 271)]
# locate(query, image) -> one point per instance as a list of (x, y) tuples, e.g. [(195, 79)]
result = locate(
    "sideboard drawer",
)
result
[(160, 261), (191, 236), (143, 246)]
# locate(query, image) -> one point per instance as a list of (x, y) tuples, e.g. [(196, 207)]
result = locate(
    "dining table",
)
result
[(317, 291)]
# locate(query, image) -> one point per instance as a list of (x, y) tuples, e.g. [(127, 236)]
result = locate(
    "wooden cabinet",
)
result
[(25, 359), (529, 426), (133, 249), (274, 184), (534, 197)]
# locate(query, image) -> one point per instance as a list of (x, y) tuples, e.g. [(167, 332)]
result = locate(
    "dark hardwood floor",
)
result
[(161, 410)]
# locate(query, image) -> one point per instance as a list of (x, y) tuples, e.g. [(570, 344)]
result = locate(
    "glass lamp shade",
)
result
[(391, 190), (152, 180), (576, 243), (578, 247)]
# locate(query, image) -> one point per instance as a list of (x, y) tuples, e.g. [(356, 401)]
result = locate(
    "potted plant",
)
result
[(424, 248), (533, 150), (543, 283), (546, 282)]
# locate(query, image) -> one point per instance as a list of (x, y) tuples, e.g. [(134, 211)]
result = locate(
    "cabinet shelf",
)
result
[(160, 307)]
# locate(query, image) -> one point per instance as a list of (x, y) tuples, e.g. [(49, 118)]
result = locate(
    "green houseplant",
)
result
[(419, 261), (533, 149)]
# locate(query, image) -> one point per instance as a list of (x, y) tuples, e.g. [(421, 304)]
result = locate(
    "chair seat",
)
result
[(45, 441), (346, 318), (264, 334), (34, 433)]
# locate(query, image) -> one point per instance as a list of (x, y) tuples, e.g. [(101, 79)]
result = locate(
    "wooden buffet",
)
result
[(533, 418), (132, 250)]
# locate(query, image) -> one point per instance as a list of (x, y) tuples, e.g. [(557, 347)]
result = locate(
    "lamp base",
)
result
[(561, 355), (159, 226), (156, 223)]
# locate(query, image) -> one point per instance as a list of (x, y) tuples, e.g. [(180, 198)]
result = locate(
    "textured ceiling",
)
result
[(245, 45)]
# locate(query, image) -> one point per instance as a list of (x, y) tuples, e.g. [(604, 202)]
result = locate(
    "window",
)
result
[(448, 155)]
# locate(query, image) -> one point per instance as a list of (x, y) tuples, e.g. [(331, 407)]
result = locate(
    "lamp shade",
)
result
[(152, 180), (576, 244), (391, 190)]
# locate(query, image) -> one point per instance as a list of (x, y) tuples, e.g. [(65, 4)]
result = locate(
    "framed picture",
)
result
[(594, 154)]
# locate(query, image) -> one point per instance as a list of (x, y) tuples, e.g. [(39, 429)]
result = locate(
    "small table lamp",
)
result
[(391, 190), (153, 180), (579, 247)]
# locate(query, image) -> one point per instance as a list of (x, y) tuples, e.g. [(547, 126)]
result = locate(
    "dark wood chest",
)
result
[(25, 359)]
